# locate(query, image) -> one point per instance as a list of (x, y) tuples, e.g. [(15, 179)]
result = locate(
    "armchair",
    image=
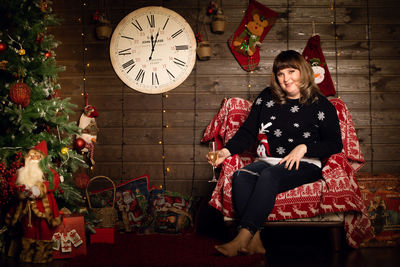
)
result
[(337, 196)]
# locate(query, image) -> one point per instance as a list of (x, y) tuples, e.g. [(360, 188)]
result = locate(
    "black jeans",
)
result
[(254, 189)]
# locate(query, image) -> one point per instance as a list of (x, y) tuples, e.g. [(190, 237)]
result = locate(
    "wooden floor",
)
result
[(293, 252), (312, 248)]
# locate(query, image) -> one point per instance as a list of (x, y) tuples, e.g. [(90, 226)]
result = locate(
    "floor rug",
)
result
[(162, 250)]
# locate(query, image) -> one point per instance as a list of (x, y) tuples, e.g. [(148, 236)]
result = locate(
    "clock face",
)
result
[(153, 50)]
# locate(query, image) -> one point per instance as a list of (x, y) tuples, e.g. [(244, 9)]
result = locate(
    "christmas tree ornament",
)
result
[(47, 54), (43, 5), (3, 64), (246, 40), (64, 150), (3, 47), (21, 52), (80, 144), (313, 54), (81, 180), (89, 130), (20, 94), (39, 37)]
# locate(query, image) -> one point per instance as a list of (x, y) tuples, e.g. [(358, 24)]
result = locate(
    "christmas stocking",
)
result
[(313, 54), (246, 40)]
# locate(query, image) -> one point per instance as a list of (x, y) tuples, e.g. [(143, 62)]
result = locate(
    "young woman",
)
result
[(296, 128)]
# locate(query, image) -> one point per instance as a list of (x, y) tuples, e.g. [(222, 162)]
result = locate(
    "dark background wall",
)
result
[(360, 40)]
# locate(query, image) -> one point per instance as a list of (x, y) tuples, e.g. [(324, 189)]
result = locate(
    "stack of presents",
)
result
[(130, 207)]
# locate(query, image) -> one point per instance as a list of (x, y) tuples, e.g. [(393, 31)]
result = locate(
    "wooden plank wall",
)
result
[(359, 39)]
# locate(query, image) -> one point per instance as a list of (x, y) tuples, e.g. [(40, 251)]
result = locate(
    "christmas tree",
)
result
[(30, 104)]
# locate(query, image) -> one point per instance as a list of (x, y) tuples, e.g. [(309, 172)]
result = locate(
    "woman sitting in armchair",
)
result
[(296, 127)]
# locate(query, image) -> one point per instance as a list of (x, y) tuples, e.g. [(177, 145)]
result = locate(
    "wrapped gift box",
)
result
[(381, 194), (69, 238), (103, 235)]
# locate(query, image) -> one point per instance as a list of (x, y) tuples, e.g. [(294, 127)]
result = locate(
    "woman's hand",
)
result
[(221, 156), (294, 157)]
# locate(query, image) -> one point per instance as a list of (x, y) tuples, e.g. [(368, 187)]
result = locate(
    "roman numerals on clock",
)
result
[(129, 65), (140, 75)]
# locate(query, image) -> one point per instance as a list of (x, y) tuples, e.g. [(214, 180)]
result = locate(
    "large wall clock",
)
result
[(153, 49)]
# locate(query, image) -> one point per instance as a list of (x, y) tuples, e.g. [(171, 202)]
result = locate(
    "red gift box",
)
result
[(69, 238), (103, 235)]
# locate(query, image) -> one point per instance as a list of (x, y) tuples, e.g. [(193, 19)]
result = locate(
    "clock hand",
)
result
[(153, 44)]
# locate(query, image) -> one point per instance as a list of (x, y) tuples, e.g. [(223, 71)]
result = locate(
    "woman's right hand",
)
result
[(221, 156)]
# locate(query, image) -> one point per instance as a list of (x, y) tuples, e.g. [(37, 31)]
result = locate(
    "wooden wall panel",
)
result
[(358, 37)]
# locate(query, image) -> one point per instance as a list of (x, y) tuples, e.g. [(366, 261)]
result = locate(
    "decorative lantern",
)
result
[(218, 24), (20, 94), (204, 50)]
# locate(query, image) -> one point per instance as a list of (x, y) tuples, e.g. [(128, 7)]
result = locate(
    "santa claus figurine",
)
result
[(36, 208), (89, 130)]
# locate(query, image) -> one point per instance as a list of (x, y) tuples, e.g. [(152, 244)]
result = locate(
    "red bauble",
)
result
[(81, 180), (3, 47), (20, 94), (80, 144), (47, 54)]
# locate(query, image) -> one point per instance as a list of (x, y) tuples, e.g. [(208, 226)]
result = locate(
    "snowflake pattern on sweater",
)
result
[(280, 128)]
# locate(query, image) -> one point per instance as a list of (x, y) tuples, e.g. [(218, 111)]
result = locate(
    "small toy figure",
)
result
[(36, 208)]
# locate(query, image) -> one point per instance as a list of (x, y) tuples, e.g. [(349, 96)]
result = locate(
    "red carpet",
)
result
[(162, 250)]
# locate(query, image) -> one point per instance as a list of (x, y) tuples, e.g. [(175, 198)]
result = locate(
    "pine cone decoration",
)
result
[(20, 94)]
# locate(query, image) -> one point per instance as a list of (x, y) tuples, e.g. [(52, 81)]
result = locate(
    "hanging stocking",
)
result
[(313, 54), (246, 40)]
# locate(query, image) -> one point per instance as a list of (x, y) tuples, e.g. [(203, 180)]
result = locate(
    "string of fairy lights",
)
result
[(85, 64)]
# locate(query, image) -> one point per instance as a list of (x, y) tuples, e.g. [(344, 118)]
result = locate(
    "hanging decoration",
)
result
[(20, 94), (218, 24), (245, 42), (3, 64), (89, 130), (313, 54), (3, 47), (204, 50), (103, 27), (79, 144), (81, 180)]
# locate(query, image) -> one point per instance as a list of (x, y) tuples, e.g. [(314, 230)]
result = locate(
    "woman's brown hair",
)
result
[(291, 59)]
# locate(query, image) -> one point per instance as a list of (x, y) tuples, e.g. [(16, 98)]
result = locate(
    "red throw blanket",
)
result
[(340, 192)]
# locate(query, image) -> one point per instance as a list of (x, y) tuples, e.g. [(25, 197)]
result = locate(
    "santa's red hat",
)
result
[(42, 147), (91, 111)]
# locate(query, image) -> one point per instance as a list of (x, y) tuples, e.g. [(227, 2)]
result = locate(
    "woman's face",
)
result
[(289, 79)]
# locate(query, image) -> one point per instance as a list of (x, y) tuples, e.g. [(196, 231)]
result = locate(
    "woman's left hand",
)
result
[(294, 157)]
